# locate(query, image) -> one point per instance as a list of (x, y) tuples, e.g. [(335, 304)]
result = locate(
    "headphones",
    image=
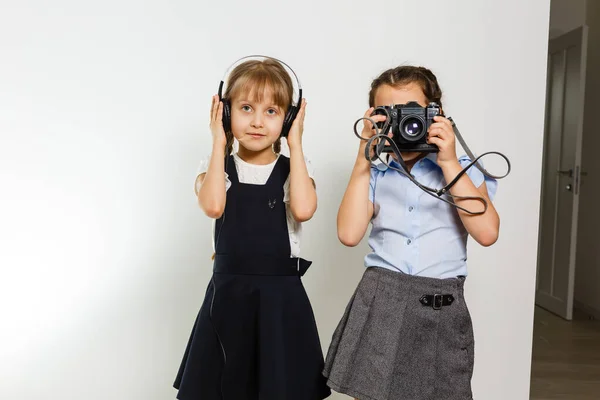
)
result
[(292, 110)]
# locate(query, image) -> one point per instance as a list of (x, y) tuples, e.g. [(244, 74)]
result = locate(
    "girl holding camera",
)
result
[(406, 332)]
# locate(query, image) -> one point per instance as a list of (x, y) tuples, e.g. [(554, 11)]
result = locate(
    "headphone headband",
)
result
[(220, 93), (292, 111)]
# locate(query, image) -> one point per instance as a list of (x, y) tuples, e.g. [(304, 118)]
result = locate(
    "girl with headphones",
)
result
[(255, 335)]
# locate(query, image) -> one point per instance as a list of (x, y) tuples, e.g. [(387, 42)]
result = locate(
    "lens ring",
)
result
[(412, 128)]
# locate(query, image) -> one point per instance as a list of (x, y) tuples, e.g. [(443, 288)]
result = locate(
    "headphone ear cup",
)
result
[(290, 116), (226, 116)]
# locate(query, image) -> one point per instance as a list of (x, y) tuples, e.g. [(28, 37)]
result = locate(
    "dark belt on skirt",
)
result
[(436, 301), (260, 265)]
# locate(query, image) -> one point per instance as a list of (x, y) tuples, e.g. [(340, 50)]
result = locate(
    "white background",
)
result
[(104, 253)]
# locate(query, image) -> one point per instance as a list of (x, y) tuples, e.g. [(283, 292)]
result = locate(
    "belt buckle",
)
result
[(437, 298)]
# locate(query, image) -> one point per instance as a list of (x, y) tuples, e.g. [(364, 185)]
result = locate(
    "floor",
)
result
[(566, 357)]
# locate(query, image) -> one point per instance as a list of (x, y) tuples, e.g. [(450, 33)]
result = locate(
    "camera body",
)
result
[(409, 124)]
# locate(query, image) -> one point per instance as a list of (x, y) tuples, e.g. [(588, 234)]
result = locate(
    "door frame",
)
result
[(552, 304)]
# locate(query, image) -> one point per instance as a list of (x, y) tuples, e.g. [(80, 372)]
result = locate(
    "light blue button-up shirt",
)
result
[(413, 232)]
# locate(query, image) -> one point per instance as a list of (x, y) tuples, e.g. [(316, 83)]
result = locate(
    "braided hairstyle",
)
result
[(405, 74)]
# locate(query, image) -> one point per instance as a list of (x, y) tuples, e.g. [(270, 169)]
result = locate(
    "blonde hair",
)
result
[(253, 78)]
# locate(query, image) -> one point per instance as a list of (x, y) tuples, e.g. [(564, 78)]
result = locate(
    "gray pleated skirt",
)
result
[(389, 346)]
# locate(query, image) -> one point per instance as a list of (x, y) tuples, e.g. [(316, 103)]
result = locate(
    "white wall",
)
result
[(103, 117)]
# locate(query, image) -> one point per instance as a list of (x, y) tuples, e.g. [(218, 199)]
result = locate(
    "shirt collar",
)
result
[(430, 157)]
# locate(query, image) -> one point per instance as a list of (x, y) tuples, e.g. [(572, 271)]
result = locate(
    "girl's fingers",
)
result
[(435, 140), (376, 118), (219, 116), (214, 108), (437, 132), (303, 108), (443, 120)]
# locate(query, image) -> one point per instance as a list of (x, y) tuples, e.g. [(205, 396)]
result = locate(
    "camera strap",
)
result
[(378, 144)]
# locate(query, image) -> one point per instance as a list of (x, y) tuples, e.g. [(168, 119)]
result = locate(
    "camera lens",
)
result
[(412, 128)]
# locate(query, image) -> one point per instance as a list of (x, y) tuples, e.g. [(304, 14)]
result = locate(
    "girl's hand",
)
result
[(442, 135), (294, 137), (216, 122), (368, 129)]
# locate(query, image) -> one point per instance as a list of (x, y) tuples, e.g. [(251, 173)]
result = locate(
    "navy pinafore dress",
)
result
[(255, 336)]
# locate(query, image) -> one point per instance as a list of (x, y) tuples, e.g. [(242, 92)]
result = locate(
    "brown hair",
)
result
[(404, 75), (252, 78)]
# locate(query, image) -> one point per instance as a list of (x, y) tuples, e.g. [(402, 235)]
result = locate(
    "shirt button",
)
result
[(410, 208), (408, 241)]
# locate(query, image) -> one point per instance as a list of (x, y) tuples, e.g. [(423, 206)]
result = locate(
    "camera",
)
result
[(409, 124)]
